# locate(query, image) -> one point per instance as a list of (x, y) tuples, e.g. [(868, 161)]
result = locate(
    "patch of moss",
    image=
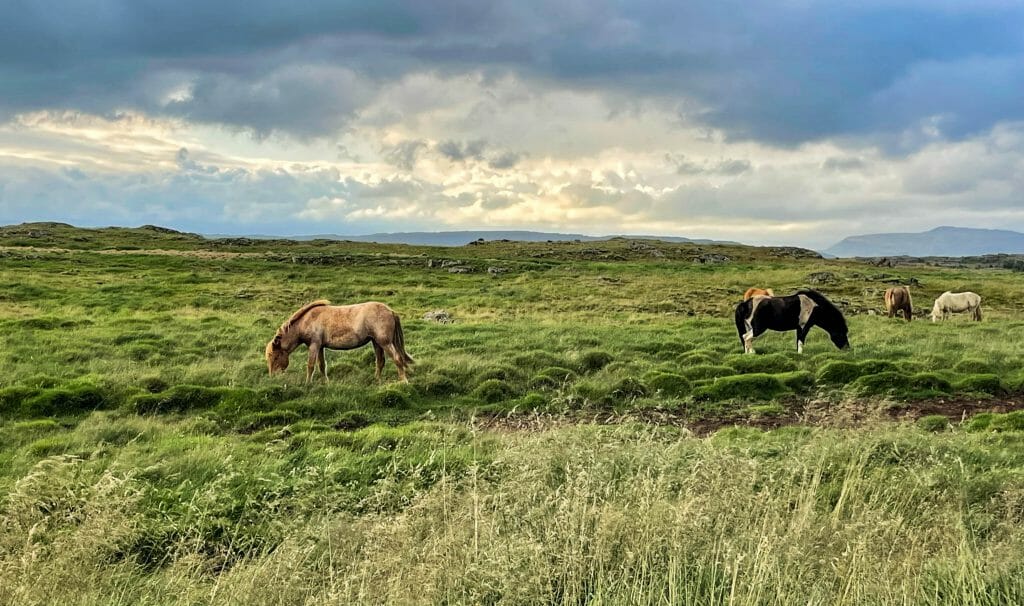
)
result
[(981, 383), (753, 386), (706, 371), (767, 363), (799, 381), (594, 360), (667, 384), (839, 372), (933, 423), (493, 391)]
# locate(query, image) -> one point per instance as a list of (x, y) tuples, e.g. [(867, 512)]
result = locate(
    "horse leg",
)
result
[(396, 356), (801, 336), (322, 359), (378, 351), (314, 353)]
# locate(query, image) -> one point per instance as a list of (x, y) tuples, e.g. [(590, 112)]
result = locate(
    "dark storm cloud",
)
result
[(404, 154), (457, 151), (783, 74)]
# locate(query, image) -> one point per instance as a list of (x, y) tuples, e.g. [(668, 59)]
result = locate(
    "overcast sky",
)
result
[(799, 122)]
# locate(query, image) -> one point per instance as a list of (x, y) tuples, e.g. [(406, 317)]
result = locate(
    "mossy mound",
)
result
[(753, 386), (763, 363), (701, 372), (493, 390), (667, 384)]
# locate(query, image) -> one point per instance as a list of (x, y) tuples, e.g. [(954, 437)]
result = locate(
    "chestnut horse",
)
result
[(320, 326), (897, 299), (753, 291)]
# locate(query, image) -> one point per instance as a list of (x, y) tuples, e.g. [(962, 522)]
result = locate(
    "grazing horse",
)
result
[(320, 326), (897, 299), (754, 291), (800, 312), (956, 302)]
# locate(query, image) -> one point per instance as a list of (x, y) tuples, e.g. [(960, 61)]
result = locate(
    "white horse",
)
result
[(956, 302)]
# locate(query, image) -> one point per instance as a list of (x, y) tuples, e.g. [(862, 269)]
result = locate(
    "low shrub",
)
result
[(532, 400)]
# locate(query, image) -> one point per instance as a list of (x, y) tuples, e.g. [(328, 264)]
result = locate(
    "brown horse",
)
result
[(897, 299), (753, 291), (320, 325)]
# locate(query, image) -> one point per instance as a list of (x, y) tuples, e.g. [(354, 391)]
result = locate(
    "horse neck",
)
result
[(291, 338)]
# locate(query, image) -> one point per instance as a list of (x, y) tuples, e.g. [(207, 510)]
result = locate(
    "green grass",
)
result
[(146, 456)]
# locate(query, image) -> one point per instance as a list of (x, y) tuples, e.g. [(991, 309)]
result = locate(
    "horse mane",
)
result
[(826, 306), (301, 312)]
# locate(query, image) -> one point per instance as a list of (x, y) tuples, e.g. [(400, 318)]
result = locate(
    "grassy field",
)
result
[(550, 447)]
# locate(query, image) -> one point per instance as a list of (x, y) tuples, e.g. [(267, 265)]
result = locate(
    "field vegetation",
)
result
[(586, 430)]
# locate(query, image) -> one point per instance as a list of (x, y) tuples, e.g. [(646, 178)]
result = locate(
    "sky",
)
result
[(794, 122)]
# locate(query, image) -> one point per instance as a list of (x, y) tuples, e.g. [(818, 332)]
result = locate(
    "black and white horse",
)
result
[(800, 312)]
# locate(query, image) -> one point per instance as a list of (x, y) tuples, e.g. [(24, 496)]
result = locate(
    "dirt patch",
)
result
[(815, 413)]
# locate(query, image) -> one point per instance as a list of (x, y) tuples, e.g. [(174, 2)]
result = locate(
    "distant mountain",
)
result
[(461, 238), (939, 242)]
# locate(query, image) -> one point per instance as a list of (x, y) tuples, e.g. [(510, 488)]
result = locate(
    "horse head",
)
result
[(277, 357)]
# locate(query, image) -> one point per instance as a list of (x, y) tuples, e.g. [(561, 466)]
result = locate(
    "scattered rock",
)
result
[(821, 277), (438, 315), (460, 270), (711, 259), (497, 270)]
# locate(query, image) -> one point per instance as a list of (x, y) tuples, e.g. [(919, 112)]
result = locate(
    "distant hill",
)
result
[(461, 238), (938, 242)]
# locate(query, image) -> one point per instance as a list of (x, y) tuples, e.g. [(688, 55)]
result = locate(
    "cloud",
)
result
[(782, 74), (404, 154), (461, 151), (727, 167)]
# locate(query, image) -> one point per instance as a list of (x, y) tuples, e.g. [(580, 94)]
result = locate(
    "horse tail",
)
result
[(909, 310), (977, 311), (398, 338)]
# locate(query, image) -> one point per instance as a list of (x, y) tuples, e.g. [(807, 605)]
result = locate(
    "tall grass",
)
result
[(625, 515)]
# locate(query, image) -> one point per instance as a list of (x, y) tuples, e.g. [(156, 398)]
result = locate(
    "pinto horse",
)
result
[(754, 291), (320, 326), (897, 299), (956, 302), (800, 312)]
